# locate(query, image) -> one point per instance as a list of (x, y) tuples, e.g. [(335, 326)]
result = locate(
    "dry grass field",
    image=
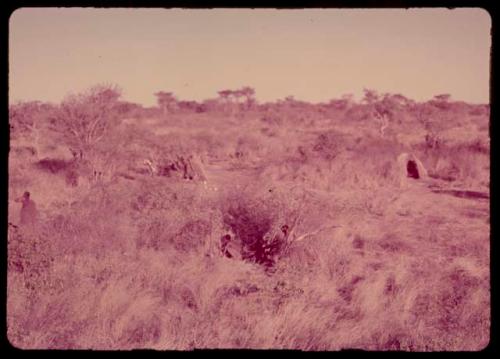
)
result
[(331, 243)]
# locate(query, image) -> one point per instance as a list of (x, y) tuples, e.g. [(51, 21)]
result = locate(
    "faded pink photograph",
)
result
[(309, 179)]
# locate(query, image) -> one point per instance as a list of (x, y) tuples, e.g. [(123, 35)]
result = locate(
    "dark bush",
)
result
[(53, 165), (253, 226), (249, 226)]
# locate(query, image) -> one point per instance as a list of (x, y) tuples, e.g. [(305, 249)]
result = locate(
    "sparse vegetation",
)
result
[(129, 257)]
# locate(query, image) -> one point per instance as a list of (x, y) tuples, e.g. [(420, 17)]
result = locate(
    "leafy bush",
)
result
[(85, 119)]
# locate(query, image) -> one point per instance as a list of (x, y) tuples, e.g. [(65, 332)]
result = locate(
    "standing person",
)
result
[(29, 212)]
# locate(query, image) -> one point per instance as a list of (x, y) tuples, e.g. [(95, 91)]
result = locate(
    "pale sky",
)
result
[(314, 55)]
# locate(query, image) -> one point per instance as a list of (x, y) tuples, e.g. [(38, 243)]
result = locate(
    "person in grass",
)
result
[(29, 211)]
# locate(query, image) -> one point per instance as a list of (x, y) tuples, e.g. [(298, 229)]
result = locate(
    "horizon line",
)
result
[(355, 98)]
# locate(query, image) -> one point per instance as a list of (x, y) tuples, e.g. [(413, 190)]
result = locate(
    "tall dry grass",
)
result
[(135, 262)]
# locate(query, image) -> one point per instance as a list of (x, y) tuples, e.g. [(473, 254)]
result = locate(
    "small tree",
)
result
[(383, 112), (443, 97), (166, 101), (400, 100), (370, 96), (85, 119), (442, 101), (248, 93), (237, 95), (225, 98), (225, 94)]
